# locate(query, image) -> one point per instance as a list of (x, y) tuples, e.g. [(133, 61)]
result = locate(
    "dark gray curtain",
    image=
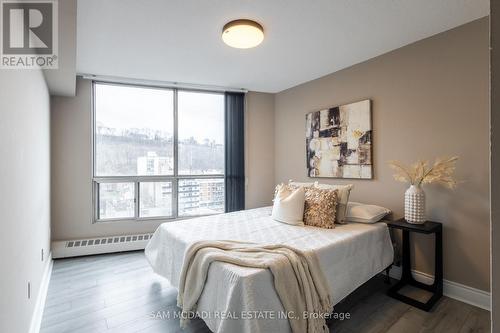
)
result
[(235, 151)]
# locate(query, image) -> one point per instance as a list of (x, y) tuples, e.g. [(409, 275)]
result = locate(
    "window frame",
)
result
[(136, 180)]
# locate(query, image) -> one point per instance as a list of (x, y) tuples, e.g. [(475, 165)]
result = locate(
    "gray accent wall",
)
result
[(24, 194), (429, 99), (259, 144)]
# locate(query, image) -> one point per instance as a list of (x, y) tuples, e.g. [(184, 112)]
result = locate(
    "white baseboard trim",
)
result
[(36, 319), (460, 292)]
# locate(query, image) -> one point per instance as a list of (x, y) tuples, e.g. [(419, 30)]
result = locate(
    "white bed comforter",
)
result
[(349, 255)]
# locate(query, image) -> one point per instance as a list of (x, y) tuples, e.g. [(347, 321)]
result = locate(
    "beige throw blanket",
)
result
[(298, 279)]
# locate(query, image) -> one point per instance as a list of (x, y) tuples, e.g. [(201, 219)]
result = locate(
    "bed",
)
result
[(349, 256)]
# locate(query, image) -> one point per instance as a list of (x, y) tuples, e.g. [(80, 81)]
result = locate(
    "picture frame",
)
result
[(339, 141)]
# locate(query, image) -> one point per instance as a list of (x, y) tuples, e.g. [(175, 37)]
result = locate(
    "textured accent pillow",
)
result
[(288, 205), (343, 198), (320, 208), (358, 212)]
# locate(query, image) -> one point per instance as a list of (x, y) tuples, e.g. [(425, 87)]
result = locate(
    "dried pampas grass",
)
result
[(441, 172)]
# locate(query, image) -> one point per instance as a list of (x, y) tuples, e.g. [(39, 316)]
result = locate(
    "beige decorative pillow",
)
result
[(343, 192), (320, 208)]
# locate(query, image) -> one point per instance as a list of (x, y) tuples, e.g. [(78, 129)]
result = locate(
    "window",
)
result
[(158, 152), (201, 133), (116, 200), (133, 131)]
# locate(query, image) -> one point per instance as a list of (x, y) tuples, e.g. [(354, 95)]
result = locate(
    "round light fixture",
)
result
[(243, 34)]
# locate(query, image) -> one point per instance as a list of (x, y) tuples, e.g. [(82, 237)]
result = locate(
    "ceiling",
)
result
[(180, 40)]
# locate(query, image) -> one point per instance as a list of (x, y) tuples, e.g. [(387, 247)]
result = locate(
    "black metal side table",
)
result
[(406, 277)]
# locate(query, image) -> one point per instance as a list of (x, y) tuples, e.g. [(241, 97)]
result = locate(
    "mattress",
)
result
[(242, 299)]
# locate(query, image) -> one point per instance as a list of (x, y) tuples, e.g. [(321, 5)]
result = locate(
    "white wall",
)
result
[(62, 81), (24, 193)]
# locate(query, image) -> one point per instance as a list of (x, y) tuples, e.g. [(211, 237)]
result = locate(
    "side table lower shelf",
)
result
[(427, 306), (407, 278)]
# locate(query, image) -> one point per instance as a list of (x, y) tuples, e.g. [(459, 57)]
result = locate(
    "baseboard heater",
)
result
[(98, 245)]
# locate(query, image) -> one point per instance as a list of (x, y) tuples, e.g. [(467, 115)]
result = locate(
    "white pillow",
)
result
[(299, 184), (288, 205), (343, 192), (358, 212)]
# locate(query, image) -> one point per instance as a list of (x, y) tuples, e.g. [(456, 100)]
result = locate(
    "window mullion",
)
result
[(175, 199), (95, 188), (136, 199), (175, 194)]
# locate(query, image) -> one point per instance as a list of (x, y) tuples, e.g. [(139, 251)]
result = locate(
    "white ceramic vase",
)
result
[(415, 205)]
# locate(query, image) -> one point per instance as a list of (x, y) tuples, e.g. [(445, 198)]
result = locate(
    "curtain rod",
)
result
[(157, 83)]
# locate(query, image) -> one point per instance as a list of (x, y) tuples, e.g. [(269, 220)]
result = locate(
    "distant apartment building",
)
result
[(212, 194), (195, 196), (189, 197), (152, 164)]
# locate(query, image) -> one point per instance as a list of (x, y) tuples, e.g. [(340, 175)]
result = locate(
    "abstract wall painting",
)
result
[(339, 141)]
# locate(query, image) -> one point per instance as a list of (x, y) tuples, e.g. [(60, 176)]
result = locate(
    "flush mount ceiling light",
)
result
[(243, 34)]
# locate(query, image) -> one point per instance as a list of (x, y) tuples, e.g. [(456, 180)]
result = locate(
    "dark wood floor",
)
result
[(120, 292)]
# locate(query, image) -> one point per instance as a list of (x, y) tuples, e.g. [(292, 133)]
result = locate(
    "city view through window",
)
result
[(138, 172)]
